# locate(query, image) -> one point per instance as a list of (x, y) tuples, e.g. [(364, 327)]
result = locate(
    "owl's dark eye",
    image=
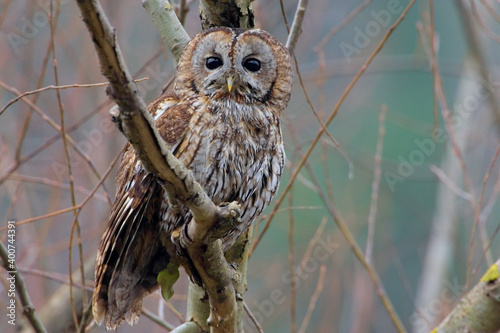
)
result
[(252, 64), (213, 62)]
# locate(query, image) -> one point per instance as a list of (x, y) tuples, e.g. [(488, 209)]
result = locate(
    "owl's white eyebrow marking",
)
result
[(159, 114), (160, 111)]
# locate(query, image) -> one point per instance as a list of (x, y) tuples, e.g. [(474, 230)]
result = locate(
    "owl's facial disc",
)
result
[(237, 66)]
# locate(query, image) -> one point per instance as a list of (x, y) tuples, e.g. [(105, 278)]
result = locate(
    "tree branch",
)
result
[(478, 310), (296, 26), (168, 25)]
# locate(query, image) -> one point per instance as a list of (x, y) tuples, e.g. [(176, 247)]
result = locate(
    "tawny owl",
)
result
[(222, 120)]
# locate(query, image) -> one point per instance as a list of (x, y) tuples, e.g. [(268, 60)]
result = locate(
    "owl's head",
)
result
[(246, 66)]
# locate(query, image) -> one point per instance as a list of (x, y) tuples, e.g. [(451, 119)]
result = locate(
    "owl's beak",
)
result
[(230, 82)]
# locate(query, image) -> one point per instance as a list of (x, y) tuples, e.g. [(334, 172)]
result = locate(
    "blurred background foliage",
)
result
[(34, 181)]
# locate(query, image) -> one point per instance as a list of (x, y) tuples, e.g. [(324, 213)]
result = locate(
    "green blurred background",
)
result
[(399, 79)]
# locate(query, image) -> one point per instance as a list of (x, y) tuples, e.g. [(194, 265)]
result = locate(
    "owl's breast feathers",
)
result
[(234, 150)]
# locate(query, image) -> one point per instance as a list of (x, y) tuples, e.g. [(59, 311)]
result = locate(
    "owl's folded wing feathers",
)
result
[(131, 253)]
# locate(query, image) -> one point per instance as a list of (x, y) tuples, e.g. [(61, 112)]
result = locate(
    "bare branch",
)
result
[(478, 310), (168, 25), (252, 318), (157, 319), (375, 185), (443, 177), (342, 24), (314, 299), (36, 91), (296, 26), (57, 127)]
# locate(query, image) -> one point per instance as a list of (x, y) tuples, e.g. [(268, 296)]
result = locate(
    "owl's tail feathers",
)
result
[(125, 306), (130, 255), (114, 305), (118, 296), (114, 316)]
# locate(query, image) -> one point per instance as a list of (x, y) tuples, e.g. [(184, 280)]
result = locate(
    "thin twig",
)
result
[(312, 243), (54, 183), (184, 10), (476, 218), (161, 322), (27, 120), (52, 140), (44, 216), (483, 26), (491, 10), (377, 172), (13, 201), (56, 87), (3, 14), (329, 203), (320, 82), (96, 187), (57, 127), (342, 225), (441, 175), (76, 225), (296, 28), (341, 25), (335, 143), (283, 14), (439, 92), (252, 318), (314, 299), (492, 238), (70, 174), (477, 50), (62, 278)]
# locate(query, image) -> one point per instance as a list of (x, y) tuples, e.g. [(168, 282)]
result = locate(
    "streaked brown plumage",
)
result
[(222, 122)]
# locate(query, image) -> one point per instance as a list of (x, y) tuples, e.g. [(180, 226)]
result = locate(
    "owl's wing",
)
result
[(131, 254)]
